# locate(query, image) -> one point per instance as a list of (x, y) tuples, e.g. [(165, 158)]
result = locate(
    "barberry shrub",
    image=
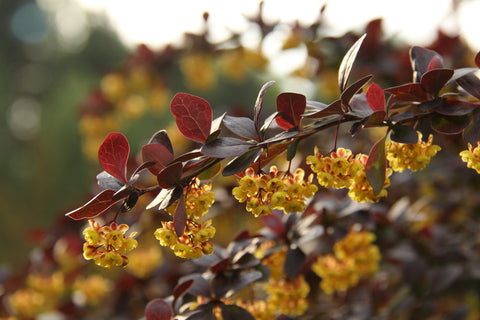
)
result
[(337, 231)]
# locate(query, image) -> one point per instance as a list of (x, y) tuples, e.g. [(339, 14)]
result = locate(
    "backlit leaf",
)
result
[(408, 92), (166, 197), (376, 97), (477, 59), (376, 166), (162, 138), (290, 106), (471, 84), (347, 63), (354, 88), (434, 80), (158, 309), (157, 153), (113, 155), (180, 217), (259, 104), (420, 59), (193, 116), (100, 203)]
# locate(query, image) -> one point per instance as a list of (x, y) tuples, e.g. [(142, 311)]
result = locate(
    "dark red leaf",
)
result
[(376, 97), (471, 83), (157, 153), (113, 155), (450, 125), (193, 116), (294, 261), (95, 206), (226, 147), (274, 223), (169, 176), (434, 80), (348, 94), (158, 309), (408, 92), (477, 59), (290, 106), (452, 107), (376, 166), (259, 104), (180, 217), (162, 138), (435, 63), (420, 59), (375, 119), (181, 289), (347, 63), (332, 109)]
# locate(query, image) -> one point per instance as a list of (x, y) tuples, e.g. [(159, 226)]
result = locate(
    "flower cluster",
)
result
[(344, 170), (288, 296), (472, 157), (353, 257), (92, 289), (413, 156), (194, 241), (108, 245), (275, 190), (143, 261), (41, 294), (198, 200)]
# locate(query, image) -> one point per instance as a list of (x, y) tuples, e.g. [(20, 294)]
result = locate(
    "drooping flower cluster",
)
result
[(108, 245), (198, 200), (472, 157), (413, 156), (194, 241), (91, 290), (353, 257), (275, 190), (344, 170)]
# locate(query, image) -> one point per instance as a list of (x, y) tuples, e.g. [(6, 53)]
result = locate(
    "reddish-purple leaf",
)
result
[(450, 125), (259, 104), (169, 176), (421, 59), (290, 106), (471, 83), (162, 138), (347, 63), (332, 109), (435, 63), (376, 166), (376, 97), (408, 92), (355, 87), (275, 224), (158, 309), (95, 206), (113, 155), (157, 153), (193, 116), (180, 217), (477, 59), (434, 80), (181, 289), (241, 126), (242, 162)]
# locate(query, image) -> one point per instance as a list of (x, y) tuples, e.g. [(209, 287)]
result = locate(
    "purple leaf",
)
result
[(158, 309)]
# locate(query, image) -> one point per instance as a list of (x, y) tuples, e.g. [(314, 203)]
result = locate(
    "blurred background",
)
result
[(55, 56)]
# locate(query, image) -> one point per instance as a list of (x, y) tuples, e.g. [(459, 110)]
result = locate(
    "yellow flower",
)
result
[(274, 190), (288, 297), (354, 256), (28, 303), (472, 157), (413, 156), (107, 245), (92, 289), (143, 261)]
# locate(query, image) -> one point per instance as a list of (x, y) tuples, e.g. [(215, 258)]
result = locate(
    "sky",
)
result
[(158, 22)]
